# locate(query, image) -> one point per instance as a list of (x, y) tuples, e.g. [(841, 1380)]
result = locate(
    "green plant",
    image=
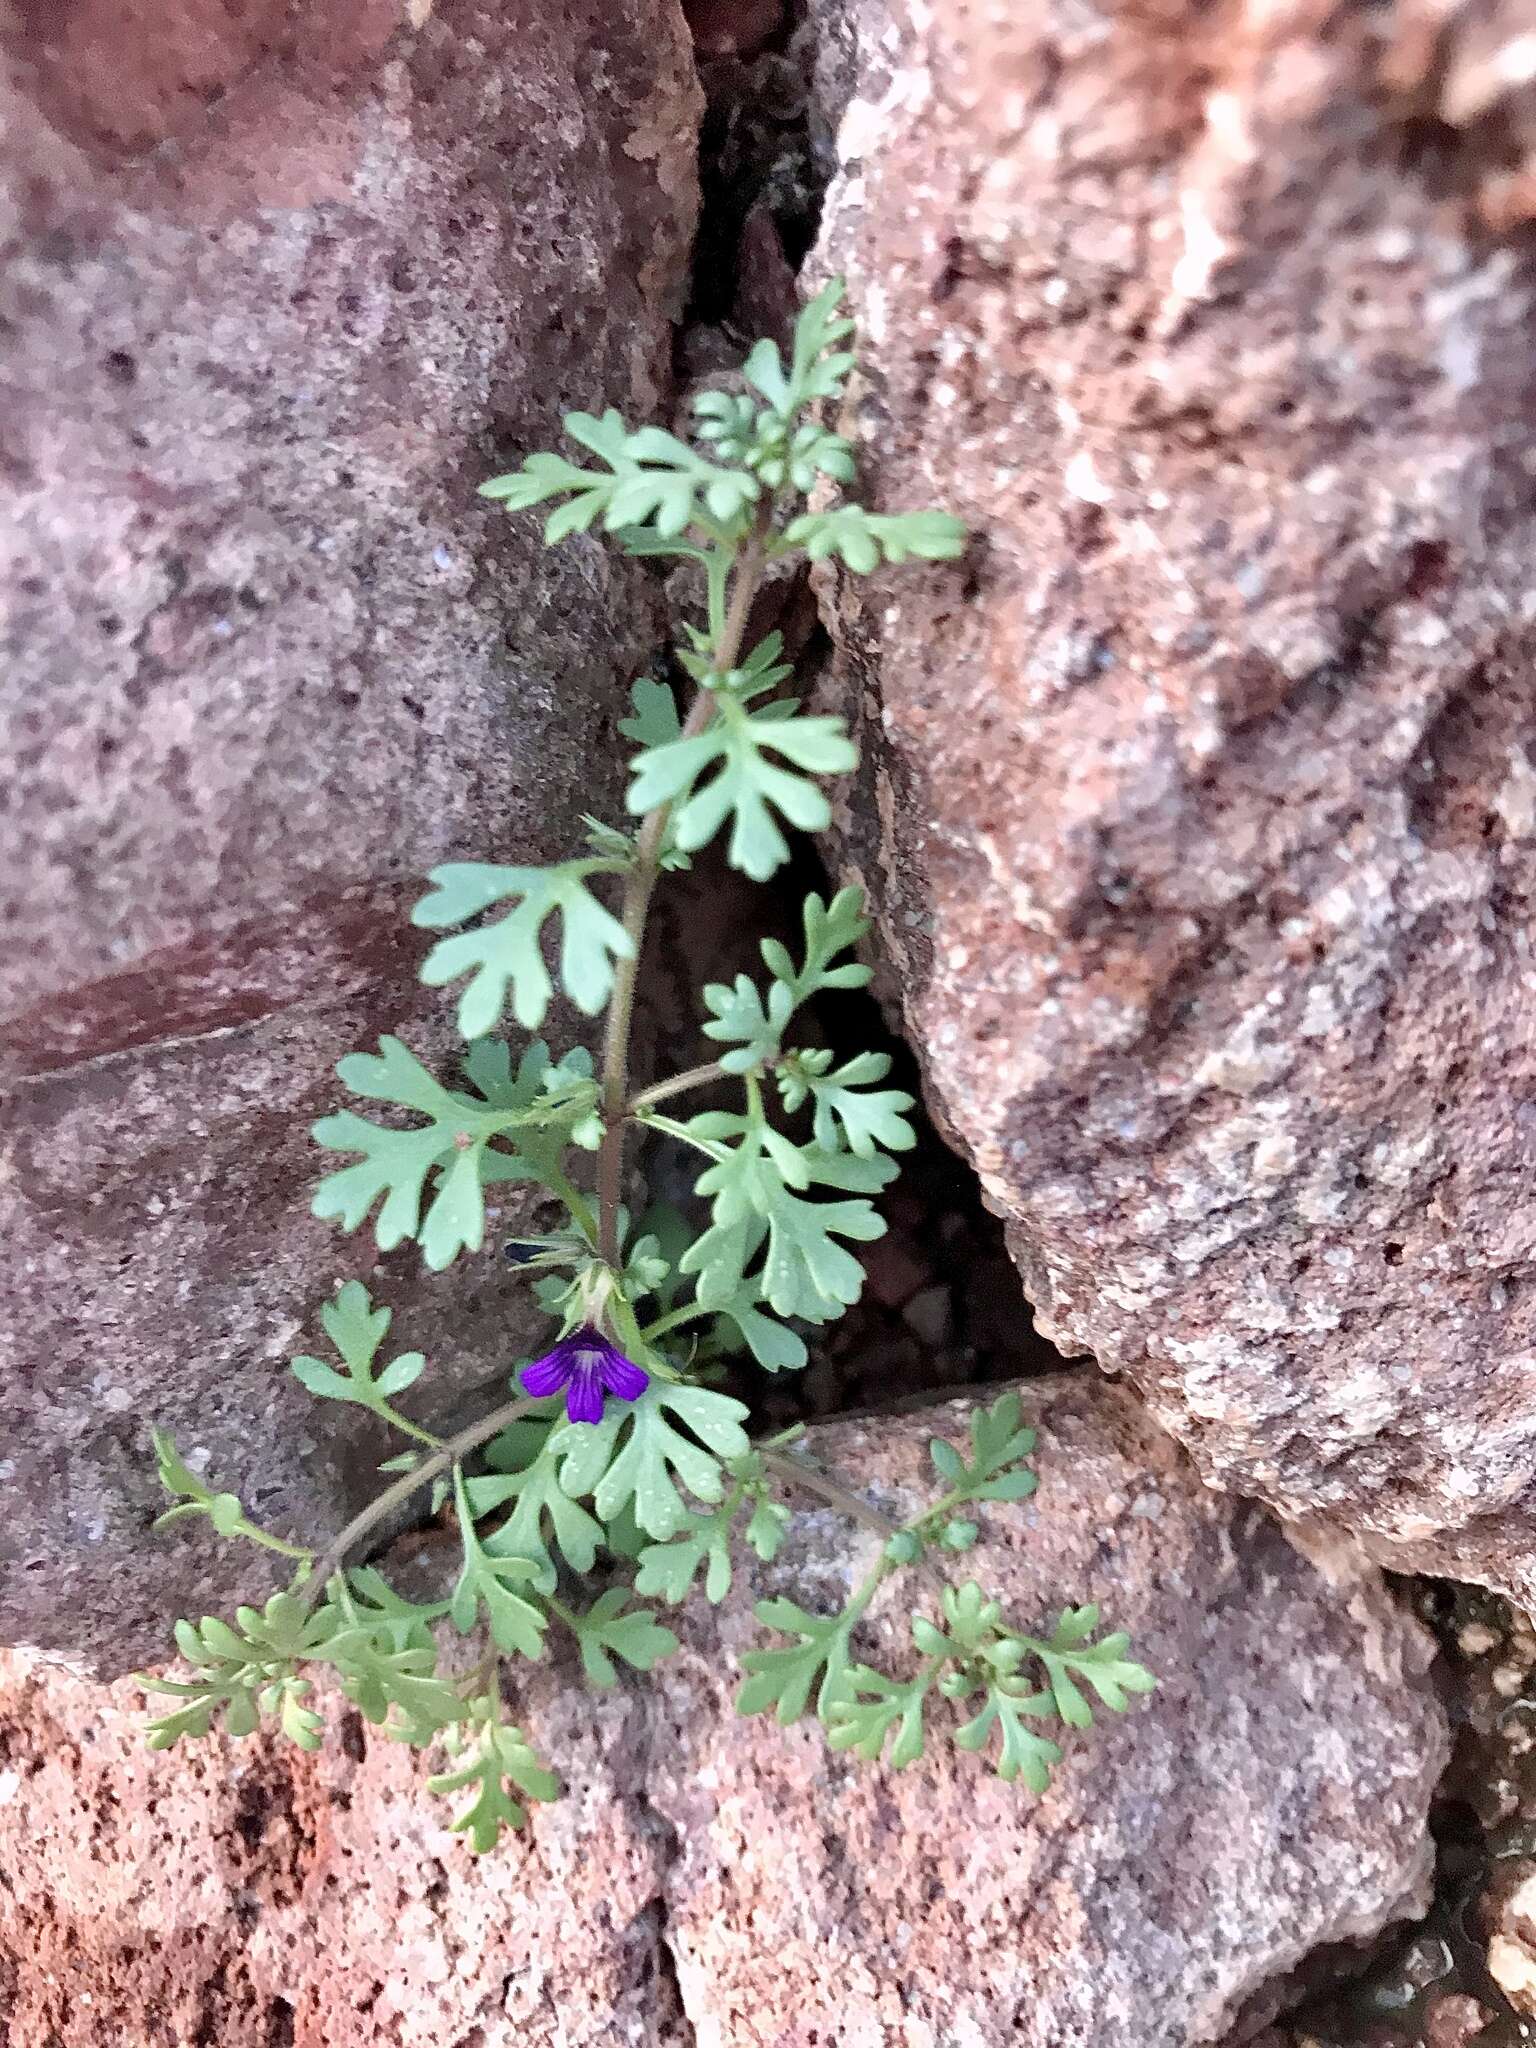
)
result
[(649, 1477)]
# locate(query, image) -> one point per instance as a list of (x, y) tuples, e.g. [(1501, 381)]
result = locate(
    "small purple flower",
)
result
[(587, 1367)]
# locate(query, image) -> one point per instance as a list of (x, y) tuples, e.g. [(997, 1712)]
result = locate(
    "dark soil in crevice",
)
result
[(763, 171), (942, 1306)]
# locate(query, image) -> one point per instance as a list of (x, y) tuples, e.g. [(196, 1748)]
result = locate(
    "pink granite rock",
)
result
[(277, 288), (716, 1881), (1200, 801)]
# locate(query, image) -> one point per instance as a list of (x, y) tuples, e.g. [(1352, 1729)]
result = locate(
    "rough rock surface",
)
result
[(728, 1882), (1200, 801), (278, 286)]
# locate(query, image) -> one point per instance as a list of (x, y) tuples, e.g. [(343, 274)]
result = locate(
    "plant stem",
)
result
[(479, 1682), (269, 1542), (395, 1496), (660, 1091), (408, 1428), (674, 1319), (809, 1480), (638, 886), (796, 1473)]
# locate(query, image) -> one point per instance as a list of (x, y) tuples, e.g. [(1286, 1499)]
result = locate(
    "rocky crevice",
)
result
[(992, 298)]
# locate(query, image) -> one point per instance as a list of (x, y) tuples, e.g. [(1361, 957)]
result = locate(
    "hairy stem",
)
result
[(408, 1428), (638, 887), (661, 1091), (809, 1480), (368, 1518), (796, 1473)]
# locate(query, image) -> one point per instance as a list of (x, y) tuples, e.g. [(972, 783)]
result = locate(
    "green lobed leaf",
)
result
[(490, 1764), (386, 1615), (725, 772), (654, 721), (830, 929), (641, 1452), (1068, 1655), (1023, 1753), (805, 1271), (667, 1570), (749, 1023), (505, 953), (487, 1582), (775, 1347), (817, 368), (524, 1461), (864, 1717), (396, 1688), (610, 1628), (868, 1117), (994, 1471), (245, 1671), (784, 1677), (863, 539), (357, 1329), (512, 1128), (752, 1024), (651, 480)]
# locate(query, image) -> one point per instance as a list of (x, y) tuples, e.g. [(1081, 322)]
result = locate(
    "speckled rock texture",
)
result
[(1200, 800), (731, 1883), (278, 287)]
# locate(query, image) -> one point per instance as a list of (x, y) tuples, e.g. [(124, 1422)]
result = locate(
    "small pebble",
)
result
[(926, 1315), (1477, 1639), (1454, 2020)]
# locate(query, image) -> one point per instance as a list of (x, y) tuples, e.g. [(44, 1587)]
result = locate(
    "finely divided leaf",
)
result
[(487, 1582), (783, 1678), (869, 1117), (497, 1758), (505, 954), (726, 772), (642, 1450), (874, 1706), (652, 480), (995, 1468), (1024, 1754), (864, 539), (357, 1329), (1103, 1666), (539, 1500), (540, 1112), (610, 1628)]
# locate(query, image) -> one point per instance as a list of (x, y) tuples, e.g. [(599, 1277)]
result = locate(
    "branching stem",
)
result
[(795, 1472), (809, 1480), (384, 1505), (662, 1091), (639, 884)]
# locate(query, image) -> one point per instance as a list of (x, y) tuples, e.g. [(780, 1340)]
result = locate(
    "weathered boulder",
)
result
[(278, 287), (715, 1880), (1200, 801)]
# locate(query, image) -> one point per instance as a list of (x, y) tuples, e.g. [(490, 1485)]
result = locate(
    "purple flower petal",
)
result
[(587, 1366), (584, 1396), (621, 1376), (547, 1375)]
